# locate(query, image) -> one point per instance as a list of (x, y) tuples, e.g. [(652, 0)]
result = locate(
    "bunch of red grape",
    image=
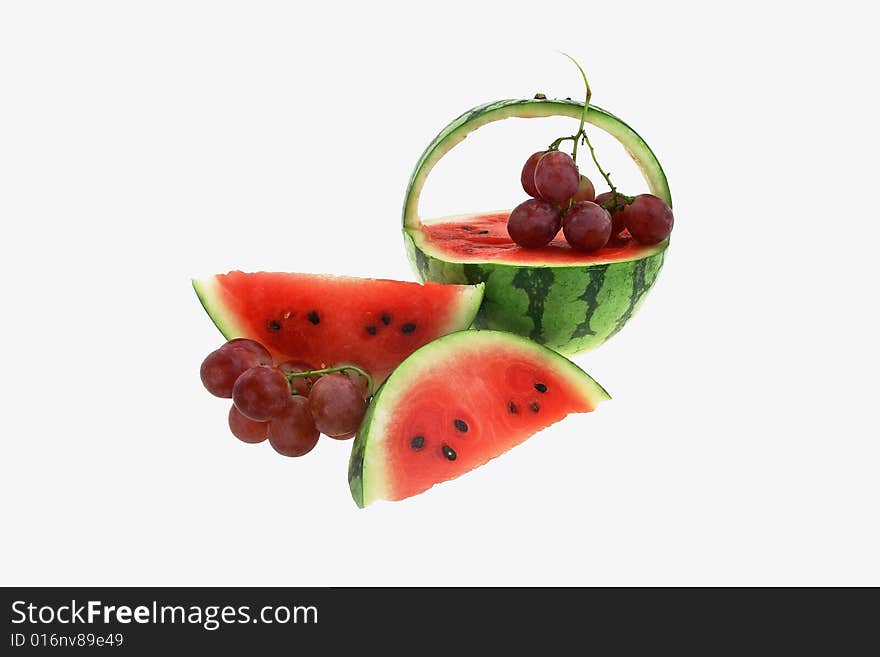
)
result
[(268, 401), (563, 198)]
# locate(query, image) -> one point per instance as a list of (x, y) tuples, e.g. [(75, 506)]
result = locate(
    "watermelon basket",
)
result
[(566, 300)]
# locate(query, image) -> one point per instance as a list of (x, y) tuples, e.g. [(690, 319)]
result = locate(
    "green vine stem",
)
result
[(587, 97), (581, 134), (330, 370)]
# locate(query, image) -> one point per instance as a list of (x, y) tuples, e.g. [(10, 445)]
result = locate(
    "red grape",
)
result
[(556, 177), (534, 223), (337, 405), (293, 433), (222, 367), (360, 381), (586, 226), (258, 350), (301, 384), (616, 207), (585, 192), (527, 177), (261, 393), (649, 219), (246, 429)]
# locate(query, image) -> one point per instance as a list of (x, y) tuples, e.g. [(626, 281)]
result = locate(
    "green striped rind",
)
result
[(208, 292), (368, 469), (475, 118), (356, 461), (570, 309)]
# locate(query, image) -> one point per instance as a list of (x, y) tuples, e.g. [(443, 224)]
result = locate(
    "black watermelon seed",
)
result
[(417, 442), (449, 453), (386, 319), (371, 330), (274, 325), (540, 387), (534, 407), (408, 328), (313, 317), (461, 425), (513, 408), (482, 232), (467, 227)]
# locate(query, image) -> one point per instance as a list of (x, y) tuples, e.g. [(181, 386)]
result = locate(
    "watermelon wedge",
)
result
[(336, 320), (566, 300), (455, 404)]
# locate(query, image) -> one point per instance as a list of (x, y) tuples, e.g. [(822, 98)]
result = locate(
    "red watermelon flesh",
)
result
[(484, 238), (457, 403), (332, 320)]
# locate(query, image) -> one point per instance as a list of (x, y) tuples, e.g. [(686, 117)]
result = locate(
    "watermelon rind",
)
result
[(368, 470), (569, 307), (208, 292)]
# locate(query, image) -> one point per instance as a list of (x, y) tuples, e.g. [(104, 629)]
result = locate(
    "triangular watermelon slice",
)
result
[(335, 320), (457, 403)]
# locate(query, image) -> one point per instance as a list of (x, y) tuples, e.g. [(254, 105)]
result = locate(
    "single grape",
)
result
[(301, 384), (649, 219), (556, 177), (586, 226), (585, 192), (534, 223), (527, 177), (293, 433), (222, 367), (360, 381), (617, 205), (246, 429), (261, 393), (337, 405), (262, 354)]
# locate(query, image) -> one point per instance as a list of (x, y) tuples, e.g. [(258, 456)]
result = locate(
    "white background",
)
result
[(144, 143)]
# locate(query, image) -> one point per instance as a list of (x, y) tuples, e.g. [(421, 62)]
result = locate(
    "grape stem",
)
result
[(330, 370), (581, 134)]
